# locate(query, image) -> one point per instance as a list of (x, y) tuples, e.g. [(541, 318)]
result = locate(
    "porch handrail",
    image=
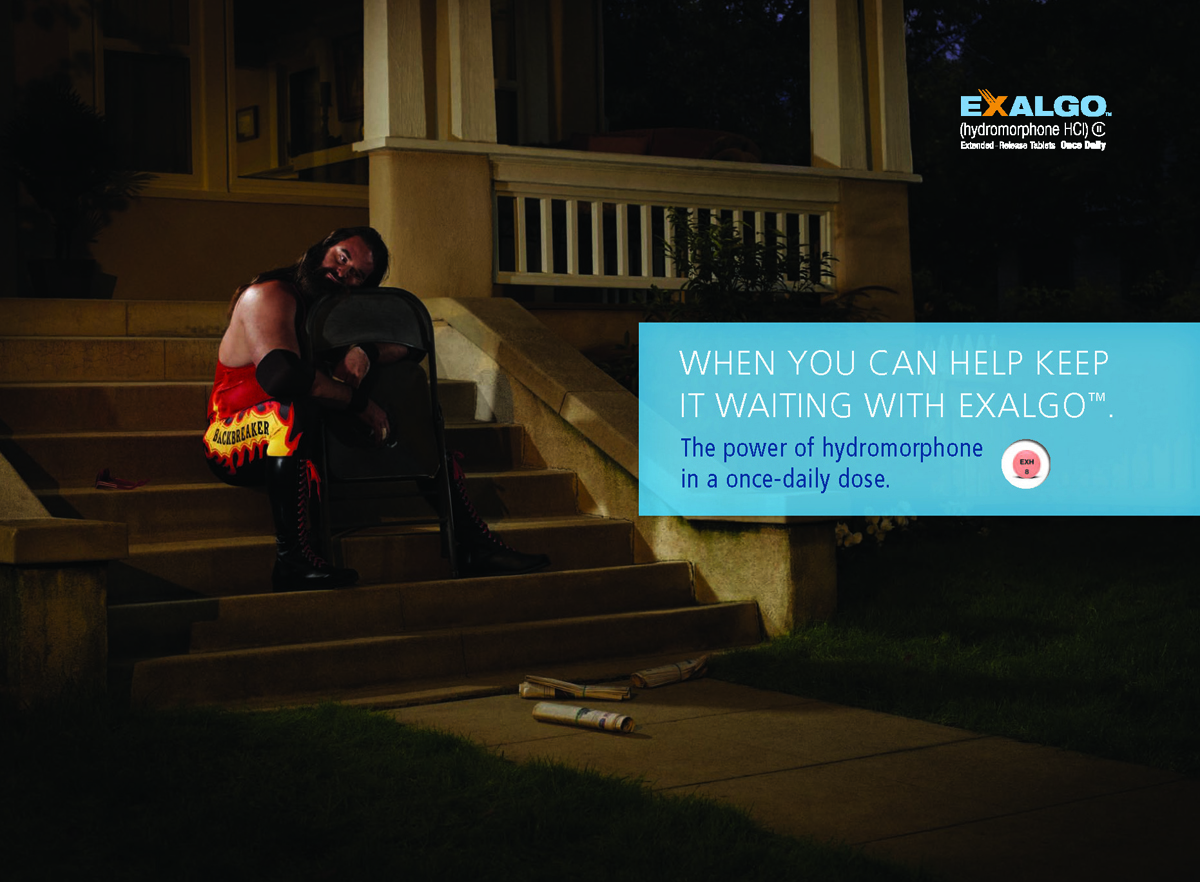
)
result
[(545, 229)]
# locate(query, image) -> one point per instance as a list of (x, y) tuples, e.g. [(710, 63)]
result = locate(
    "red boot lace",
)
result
[(460, 486), (310, 479)]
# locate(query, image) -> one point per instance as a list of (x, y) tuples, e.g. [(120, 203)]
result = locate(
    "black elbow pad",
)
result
[(284, 376)]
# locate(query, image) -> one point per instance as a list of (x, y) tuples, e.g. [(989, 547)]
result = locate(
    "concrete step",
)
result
[(155, 406), (35, 408), (413, 554), (193, 568), (457, 398), (96, 359), (63, 460), (113, 318), (249, 674), (48, 462), (169, 512), (479, 685), (175, 512), (197, 568), (244, 622)]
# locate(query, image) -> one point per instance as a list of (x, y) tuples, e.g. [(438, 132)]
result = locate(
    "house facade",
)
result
[(470, 132)]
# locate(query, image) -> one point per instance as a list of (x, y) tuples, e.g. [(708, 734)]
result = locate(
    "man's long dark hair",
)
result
[(303, 274)]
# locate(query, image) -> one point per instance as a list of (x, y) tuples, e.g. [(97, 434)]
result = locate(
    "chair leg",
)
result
[(448, 524)]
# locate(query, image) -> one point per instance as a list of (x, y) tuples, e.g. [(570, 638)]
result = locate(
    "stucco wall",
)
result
[(434, 210), (196, 249), (872, 245)]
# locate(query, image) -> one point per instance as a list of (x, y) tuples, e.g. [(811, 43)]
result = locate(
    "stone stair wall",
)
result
[(579, 419)]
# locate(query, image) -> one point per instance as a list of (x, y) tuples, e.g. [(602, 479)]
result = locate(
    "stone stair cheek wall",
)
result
[(579, 419)]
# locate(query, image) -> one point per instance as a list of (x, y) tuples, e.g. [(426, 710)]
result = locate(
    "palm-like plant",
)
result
[(60, 149)]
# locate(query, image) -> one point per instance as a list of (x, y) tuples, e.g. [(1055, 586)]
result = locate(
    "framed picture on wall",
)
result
[(247, 123)]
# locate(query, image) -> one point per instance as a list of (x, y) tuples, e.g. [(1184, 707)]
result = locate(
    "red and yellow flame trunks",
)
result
[(245, 423), (270, 428)]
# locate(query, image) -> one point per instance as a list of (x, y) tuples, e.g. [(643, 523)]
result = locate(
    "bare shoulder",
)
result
[(263, 319), (266, 300)]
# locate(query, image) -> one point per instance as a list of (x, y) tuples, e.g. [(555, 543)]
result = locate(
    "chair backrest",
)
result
[(417, 446), (375, 315)]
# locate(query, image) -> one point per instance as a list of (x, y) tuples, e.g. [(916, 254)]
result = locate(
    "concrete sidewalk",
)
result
[(961, 805)]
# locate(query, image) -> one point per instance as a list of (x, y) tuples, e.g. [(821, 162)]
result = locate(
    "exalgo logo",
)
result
[(1064, 105)]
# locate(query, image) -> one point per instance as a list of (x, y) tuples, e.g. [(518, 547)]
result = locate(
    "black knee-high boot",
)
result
[(482, 553), (297, 566)]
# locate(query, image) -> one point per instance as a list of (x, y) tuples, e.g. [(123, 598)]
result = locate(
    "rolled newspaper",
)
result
[(673, 673), (537, 690), (548, 687), (583, 717)]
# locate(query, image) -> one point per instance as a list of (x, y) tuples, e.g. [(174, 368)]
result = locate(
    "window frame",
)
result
[(283, 191), (213, 117)]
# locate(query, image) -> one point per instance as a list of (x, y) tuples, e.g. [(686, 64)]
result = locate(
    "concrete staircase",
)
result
[(88, 385)]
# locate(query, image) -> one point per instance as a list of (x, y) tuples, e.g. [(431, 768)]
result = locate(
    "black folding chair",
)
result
[(414, 461)]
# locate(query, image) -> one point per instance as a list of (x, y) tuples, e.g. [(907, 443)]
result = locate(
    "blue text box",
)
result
[(922, 419)]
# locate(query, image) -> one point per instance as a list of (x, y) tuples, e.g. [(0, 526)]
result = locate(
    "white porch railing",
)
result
[(601, 220)]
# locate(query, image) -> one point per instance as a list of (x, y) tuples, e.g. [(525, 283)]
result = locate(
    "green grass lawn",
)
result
[(1082, 633), (333, 793)]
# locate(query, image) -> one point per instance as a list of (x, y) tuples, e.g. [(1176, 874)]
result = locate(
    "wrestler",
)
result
[(267, 398)]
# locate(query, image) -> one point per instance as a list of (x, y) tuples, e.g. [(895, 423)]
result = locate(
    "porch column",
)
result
[(859, 102), (859, 85), (393, 70), (465, 38), (430, 106), (887, 68)]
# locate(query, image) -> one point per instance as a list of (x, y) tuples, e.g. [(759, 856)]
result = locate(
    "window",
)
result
[(298, 67), (504, 70), (147, 82), (235, 96)]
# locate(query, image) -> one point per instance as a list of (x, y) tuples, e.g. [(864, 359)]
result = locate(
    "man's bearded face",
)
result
[(312, 279), (345, 264)]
